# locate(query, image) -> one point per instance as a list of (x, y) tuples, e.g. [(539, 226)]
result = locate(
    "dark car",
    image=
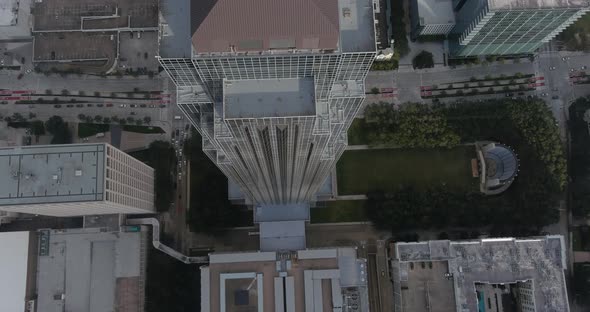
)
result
[(70, 105), (79, 105), (109, 104), (142, 105), (132, 105), (555, 97), (89, 105), (57, 106), (133, 113), (162, 106), (99, 105)]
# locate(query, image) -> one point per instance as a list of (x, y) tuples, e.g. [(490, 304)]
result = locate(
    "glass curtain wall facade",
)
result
[(274, 159), (508, 31)]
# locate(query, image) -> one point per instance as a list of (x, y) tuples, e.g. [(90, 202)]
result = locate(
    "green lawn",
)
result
[(361, 171), (88, 129), (143, 129), (339, 211)]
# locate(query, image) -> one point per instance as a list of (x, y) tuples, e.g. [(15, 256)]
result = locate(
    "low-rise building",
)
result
[(307, 280), (499, 274), (74, 180), (73, 270)]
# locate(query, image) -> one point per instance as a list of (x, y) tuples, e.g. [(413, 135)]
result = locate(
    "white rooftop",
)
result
[(14, 251), (51, 173), (8, 12)]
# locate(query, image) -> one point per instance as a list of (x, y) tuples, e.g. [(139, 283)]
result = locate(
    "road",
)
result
[(87, 83)]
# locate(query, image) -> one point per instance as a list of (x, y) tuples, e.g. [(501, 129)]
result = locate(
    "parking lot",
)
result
[(75, 46), (138, 50)]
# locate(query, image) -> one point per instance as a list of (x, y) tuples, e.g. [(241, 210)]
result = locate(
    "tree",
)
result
[(81, 116), (32, 115), (37, 127), (59, 129), (139, 122), (98, 118), (147, 120), (423, 59), (65, 92), (106, 120), (414, 125), (375, 90)]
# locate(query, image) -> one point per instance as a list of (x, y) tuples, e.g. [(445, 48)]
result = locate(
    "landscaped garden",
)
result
[(417, 172)]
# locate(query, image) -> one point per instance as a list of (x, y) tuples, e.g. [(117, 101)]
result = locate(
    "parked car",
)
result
[(70, 105), (152, 106), (555, 97), (583, 67), (89, 105), (552, 68), (133, 113), (142, 105), (109, 104), (162, 106), (57, 106), (132, 105), (79, 105), (99, 105)]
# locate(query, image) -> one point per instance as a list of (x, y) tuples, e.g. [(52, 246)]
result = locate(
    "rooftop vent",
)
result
[(78, 173)]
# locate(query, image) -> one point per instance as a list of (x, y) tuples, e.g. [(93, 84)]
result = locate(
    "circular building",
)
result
[(498, 167)]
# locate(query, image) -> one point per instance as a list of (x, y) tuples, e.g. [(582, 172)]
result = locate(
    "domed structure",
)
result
[(498, 166)]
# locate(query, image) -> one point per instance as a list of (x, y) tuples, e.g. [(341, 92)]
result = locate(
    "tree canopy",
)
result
[(59, 129), (412, 126)]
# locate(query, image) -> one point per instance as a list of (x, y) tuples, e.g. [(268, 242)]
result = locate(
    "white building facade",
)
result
[(74, 180), (274, 111)]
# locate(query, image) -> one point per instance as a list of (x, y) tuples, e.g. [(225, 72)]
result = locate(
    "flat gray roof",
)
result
[(175, 35), (495, 261), (435, 12), (269, 98), (95, 271), (357, 26), (282, 235), (51, 173)]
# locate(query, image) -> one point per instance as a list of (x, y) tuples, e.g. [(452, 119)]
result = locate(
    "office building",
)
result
[(73, 270), (494, 27), (272, 86), (497, 27), (497, 274), (431, 18), (307, 280), (74, 180)]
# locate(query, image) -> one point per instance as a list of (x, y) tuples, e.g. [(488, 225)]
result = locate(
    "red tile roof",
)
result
[(258, 25)]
